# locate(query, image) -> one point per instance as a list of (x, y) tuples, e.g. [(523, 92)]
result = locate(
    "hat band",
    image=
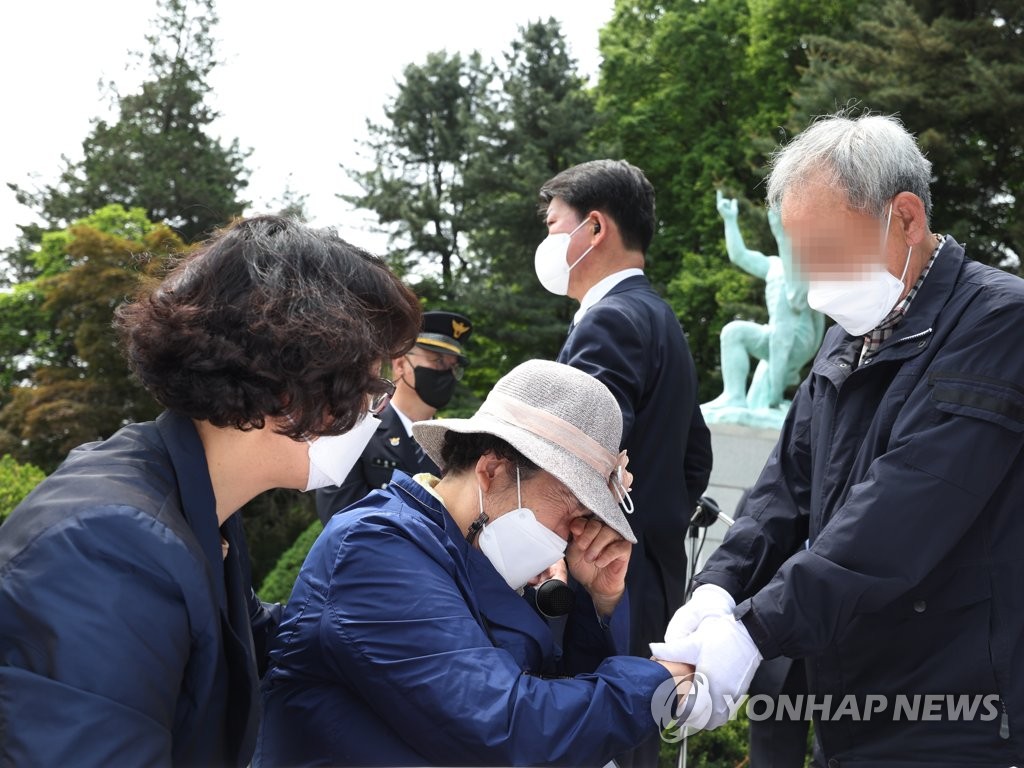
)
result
[(554, 429), (437, 340)]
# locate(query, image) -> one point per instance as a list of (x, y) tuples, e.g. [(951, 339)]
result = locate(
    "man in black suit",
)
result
[(600, 219), (425, 379)]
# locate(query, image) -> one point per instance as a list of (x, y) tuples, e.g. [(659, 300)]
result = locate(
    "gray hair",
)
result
[(871, 158)]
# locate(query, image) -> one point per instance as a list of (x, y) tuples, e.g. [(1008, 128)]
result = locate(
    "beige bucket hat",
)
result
[(563, 420)]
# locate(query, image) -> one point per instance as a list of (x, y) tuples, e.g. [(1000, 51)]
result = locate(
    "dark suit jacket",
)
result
[(389, 449), (632, 342), (126, 638)]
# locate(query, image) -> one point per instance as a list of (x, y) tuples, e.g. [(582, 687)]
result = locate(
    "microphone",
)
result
[(706, 513), (554, 598)]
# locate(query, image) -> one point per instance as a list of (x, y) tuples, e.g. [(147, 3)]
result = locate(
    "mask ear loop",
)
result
[(906, 264), (519, 490), (478, 524), (581, 258)]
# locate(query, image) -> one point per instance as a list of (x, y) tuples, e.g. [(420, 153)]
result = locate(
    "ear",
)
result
[(399, 367), (599, 228), (488, 466), (909, 208)]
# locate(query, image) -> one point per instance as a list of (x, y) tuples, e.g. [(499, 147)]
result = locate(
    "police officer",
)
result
[(424, 379)]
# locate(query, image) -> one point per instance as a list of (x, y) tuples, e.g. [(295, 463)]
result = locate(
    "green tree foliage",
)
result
[(158, 154), (536, 124), (65, 380), (458, 165), (954, 72), (277, 586), (16, 481), (694, 93), (724, 747), (420, 154)]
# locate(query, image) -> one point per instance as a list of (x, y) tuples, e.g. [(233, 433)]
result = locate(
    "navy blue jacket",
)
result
[(906, 472), (125, 636), (632, 342), (390, 448), (401, 645)]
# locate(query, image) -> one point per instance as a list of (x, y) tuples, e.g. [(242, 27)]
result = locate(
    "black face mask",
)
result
[(434, 387)]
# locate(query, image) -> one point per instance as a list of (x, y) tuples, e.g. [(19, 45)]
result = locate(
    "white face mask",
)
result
[(518, 545), (859, 304), (549, 262), (331, 457)]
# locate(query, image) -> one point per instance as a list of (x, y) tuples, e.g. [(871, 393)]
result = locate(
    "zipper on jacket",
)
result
[(925, 332), (1004, 722)]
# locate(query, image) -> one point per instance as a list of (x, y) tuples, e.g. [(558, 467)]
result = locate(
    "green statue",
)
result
[(783, 345)]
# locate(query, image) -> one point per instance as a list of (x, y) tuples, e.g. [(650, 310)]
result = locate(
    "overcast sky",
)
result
[(297, 82)]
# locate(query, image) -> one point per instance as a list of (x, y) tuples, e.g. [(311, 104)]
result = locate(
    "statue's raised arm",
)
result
[(754, 262)]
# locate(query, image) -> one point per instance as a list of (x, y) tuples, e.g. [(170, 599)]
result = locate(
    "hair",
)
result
[(614, 187), (461, 451), (871, 158), (270, 318)]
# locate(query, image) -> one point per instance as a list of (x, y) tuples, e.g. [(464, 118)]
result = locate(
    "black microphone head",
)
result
[(554, 598), (706, 513)]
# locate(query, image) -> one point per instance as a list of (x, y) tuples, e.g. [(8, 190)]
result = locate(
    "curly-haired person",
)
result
[(129, 630)]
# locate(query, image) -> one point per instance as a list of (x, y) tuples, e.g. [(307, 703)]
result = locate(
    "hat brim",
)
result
[(443, 349), (585, 483)]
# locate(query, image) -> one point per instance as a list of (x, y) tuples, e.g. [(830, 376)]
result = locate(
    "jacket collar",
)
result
[(198, 504), (931, 298), (199, 508), (630, 284), (430, 506)]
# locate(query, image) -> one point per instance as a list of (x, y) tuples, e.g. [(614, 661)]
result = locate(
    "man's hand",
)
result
[(707, 600), (723, 652), (597, 558), (728, 208)]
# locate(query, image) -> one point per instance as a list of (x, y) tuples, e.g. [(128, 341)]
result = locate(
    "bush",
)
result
[(277, 587), (273, 520), (725, 747), (16, 481)]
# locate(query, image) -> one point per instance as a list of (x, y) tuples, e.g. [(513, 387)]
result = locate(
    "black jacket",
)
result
[(906, 473), (632, 342), (390, 448), (126, 638)]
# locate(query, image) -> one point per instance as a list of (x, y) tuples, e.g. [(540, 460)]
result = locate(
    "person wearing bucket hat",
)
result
[(407, 640), (425, 379)]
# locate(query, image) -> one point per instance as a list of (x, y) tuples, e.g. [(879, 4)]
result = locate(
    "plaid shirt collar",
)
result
[(877, 336)]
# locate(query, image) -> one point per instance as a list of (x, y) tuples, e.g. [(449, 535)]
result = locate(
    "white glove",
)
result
[(706, 600), (721, 649)]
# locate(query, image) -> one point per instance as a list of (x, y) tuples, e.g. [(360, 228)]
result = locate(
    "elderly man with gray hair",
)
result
[(882, 542)]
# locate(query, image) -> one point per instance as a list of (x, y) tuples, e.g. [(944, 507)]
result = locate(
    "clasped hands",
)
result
[(705, 633)]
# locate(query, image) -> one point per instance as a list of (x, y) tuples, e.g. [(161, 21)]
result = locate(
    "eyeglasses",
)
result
[(438, 363), (379, 400)]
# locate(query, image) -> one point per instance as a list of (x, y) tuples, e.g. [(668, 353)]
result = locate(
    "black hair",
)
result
[(270, 317), (614, 187)]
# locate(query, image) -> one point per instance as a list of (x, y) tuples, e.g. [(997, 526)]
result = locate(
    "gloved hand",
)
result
[(707, 600), (722, 651)]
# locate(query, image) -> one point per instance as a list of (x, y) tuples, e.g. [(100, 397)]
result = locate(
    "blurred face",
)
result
[(831, 241)]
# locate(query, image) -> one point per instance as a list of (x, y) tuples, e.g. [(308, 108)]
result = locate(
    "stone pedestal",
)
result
[(739, 456)]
